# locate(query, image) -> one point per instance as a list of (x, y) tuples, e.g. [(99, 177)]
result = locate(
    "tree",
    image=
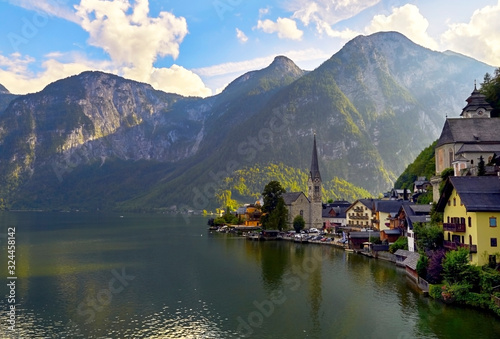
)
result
[(422, 264), (428, 237), (401, 243), (278, 217), (455, 264), (271, 194), (447, 172), (276, 213), (491, 89), (298, 223), (481, 169), (435, 266)]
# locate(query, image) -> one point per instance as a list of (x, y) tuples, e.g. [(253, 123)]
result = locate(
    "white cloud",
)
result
[(55, 8), (325, 13), (134, 41), (131, 39), (17, 77), (241, 36), (479, 37), (177, 79), (407, 20), (286, 28)]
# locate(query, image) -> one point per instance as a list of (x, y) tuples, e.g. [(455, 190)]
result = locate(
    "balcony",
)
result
[(455, 245), (450, 227)]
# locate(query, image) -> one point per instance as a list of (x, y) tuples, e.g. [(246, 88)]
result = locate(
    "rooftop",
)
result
[(478, 194)]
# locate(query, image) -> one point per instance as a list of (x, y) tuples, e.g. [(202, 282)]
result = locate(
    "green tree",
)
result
[(455, 265), (445, 174), (271, 195), (422, 264), (274, 206), (491, 89), (401, 243), (278, 217), (298, 223), (428, 236)]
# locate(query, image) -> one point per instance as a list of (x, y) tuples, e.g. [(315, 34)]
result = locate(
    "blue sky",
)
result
[(197, 48)]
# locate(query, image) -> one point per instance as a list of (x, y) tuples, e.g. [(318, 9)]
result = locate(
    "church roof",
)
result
[(314, 162), (291, 197), (459, 130), (479, 148)]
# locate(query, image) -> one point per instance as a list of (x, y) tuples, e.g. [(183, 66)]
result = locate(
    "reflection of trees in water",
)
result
[(274, 261)]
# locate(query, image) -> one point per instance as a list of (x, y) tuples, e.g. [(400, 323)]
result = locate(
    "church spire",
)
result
[(314, 162)]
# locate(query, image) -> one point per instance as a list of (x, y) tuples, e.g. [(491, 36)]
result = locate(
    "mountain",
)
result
[(97, 140), (3, 90), (5, 98)]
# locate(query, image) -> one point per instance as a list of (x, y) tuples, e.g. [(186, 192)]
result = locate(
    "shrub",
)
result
[(489, 278), (400, 244), (457, 292), (435, 266), (435, 291), (455, 264), (422, 264), (478, 300)]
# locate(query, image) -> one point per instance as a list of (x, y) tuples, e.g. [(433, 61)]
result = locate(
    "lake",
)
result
[(82, 275)]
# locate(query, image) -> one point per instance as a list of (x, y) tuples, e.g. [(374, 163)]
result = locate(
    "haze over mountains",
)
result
[(97, 140)]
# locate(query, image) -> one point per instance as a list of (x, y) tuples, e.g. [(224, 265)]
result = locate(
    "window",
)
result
[(454, 201), (301, 213), (449, 202), (470, 222), (316, 189), (493, 222), (493, 242)]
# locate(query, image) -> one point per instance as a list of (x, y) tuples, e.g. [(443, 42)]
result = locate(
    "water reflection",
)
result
[(192, 284)]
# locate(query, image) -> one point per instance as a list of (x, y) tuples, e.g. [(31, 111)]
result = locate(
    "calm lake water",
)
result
[(149, 276)]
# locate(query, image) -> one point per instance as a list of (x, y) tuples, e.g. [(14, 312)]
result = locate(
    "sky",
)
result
[(197, 48)]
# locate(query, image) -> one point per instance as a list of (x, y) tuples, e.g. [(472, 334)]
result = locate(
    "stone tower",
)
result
[(315, 184)]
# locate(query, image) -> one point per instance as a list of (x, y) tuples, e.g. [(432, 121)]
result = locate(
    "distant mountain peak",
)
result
[(3, 90), (280, 72), (285, 65)]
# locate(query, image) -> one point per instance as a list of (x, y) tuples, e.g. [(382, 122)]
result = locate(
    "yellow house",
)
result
[(252, 216), (360, 214), (471, 212)]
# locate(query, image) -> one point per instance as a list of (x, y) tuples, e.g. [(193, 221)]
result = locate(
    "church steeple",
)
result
[(314, 163), (314, 181), (477, 106)]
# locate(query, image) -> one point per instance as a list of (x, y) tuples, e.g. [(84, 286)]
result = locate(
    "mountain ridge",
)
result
[(372, 112)]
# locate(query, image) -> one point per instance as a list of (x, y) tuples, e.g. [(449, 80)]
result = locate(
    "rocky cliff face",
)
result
[(374, 106)]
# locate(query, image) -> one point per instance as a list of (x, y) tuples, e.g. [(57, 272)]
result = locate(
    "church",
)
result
[(466, 140), (310, 206)]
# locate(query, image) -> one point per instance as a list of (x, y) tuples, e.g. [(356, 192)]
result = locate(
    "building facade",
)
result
[(471, 212)]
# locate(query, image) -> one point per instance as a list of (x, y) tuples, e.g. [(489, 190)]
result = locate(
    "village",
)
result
[(465, 208)]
